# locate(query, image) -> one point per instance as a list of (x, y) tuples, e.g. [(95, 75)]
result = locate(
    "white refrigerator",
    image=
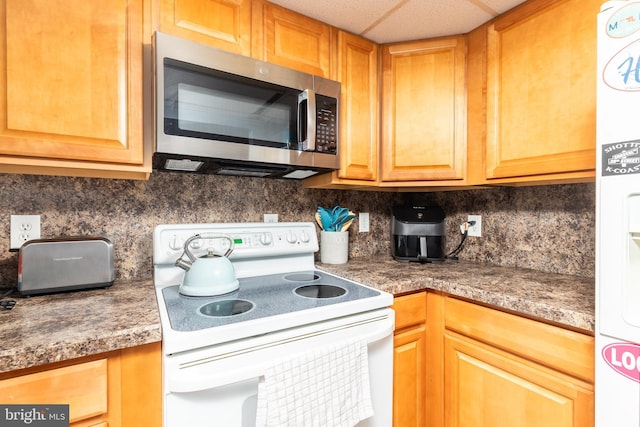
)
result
[(617, 398)]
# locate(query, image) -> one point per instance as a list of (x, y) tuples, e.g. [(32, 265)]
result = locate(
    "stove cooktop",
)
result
[(261, 297)]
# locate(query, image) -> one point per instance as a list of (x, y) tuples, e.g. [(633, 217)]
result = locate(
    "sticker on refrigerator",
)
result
[(621, 158), (622, 72), (624, 358), (625, 21)]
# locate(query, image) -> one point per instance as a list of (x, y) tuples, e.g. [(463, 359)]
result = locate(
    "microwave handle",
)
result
[(307, 137)]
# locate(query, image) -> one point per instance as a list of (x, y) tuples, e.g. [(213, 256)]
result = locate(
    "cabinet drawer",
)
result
[(552, 346), (82, 386), (410, 309)]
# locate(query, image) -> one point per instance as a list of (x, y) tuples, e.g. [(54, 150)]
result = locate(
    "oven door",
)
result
[(219, 386)]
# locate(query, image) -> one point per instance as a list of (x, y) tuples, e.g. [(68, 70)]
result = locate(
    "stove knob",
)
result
[(176, 243), (266, 239), (305, 237), (292, 237)]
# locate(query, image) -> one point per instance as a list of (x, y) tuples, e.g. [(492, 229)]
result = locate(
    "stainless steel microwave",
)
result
[(221, 113)]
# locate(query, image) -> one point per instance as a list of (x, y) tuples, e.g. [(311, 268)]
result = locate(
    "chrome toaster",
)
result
[(65, 264)]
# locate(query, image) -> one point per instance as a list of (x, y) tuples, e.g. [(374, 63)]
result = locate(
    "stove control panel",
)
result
[(251, 240)]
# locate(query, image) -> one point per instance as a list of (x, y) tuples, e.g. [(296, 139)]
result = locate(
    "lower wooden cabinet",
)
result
[(120, 388), (485, 386), (500, 369), (409, 377), (462, 364)]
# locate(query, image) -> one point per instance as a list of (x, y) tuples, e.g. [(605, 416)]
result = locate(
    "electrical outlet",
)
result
[(475, 230), (363, 222), (24, 228), (270, 217)]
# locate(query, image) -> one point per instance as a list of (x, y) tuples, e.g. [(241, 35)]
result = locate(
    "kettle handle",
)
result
[(186, 264)]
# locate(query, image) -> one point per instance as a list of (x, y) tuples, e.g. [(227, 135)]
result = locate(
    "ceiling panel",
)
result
[(351, 15), (426, 19), (385, 21)]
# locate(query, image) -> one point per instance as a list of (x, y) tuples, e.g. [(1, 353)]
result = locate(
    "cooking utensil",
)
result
[(319, 221), (208, 275), (326, 218), (347, 224), (341, 216), (336, 219)]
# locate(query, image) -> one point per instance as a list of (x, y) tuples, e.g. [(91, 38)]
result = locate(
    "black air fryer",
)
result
[(418, 233)]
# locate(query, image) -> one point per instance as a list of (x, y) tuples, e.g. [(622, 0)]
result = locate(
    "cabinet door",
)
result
[(225, 24), (292, 40), (358, 69), (541, 89), (486, 387), (71, 80), (359, 129), (423, 125), (409, 361), (83, 387), (409, 395), (119, 388)]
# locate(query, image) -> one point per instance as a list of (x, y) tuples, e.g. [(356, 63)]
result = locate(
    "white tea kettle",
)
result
[(210, 274)]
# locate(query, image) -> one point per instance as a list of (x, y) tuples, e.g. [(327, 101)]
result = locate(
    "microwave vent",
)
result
[(185, 165)]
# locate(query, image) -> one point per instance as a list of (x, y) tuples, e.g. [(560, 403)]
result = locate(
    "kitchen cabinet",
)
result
[(541, 89), (424, 112), (503, 369), (359, 129), (409, 360), (117, 388), (225, 24), (71, 87), (287, 38)]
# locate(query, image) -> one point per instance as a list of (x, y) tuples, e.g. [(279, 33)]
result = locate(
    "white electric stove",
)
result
[(215, 348)]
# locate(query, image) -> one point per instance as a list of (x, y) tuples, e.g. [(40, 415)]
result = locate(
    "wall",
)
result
[(545, 228)]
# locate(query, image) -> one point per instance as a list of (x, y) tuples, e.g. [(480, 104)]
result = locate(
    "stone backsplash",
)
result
[(547, 228)]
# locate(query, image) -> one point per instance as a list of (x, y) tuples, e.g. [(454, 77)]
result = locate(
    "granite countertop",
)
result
[(556, 298), (50, 328)]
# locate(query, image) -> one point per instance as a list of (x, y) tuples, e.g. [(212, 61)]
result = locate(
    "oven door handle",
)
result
[(190, 380)]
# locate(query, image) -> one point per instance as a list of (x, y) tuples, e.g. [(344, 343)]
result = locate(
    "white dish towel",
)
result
[(327, 387)]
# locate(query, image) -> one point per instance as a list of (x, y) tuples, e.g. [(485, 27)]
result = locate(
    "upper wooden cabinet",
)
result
[(358, 73), (424, 111), (71, 87), (225, 24), (283, 37), (541, 88), (359, 128)]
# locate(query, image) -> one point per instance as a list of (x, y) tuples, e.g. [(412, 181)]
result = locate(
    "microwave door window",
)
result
[(233, 116), (211, 107)]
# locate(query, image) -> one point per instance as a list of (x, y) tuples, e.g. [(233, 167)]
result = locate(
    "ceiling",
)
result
[(386, 21)]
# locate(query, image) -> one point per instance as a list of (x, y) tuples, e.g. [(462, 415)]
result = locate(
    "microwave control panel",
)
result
[(326, 124)]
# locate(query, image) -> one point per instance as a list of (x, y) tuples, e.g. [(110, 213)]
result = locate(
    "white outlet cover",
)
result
[(270, 217), (476, 229), (24, 228), (363, 222)]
